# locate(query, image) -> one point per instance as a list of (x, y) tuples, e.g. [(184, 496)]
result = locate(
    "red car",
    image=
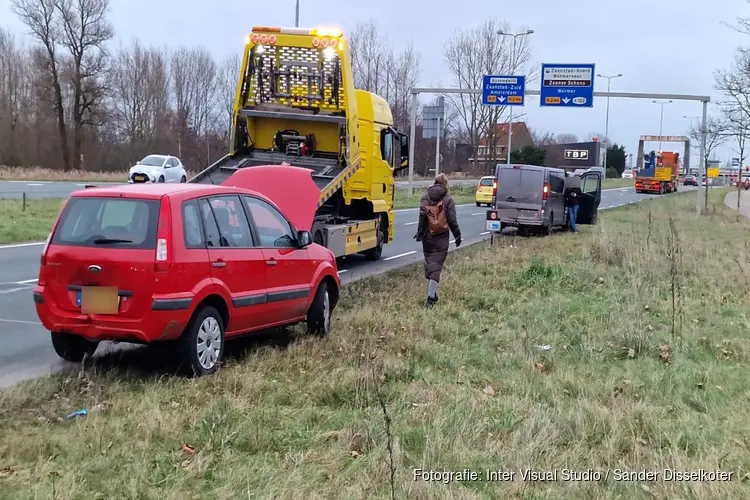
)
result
[(191, 264)]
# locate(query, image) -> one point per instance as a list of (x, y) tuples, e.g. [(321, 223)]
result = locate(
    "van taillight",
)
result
[(545, 191), (494, 188), (164, 237)]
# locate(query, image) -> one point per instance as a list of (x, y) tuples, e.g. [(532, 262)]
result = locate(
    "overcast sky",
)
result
[(659, 46)]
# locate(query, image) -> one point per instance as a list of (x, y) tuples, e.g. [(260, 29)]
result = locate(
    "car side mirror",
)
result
[(304, 239)]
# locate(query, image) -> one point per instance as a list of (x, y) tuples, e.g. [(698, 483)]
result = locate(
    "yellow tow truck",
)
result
[(296, 104)]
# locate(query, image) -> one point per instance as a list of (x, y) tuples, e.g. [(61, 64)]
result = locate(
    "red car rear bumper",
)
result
[(156, 325)]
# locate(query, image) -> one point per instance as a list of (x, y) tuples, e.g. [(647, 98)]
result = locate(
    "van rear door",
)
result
[(506, 197), (105, 245), (530, 192)]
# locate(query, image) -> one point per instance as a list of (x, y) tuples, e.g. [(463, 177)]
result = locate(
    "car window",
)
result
[(556, 182), (213, 237), (273, 229), (98, 222), (590, 184), (234, 230), (173, 162), (486, 181), (191, 226), (152, 161)]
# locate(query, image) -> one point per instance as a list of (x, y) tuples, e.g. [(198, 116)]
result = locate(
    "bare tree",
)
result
[(716, 134), (566, 138), (39, 16), (471, 55), (542, 138), (370, 54), (228, 75), (15, 97), (85, 29)]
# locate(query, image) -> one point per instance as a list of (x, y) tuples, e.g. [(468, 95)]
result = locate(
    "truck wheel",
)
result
[(374, 254), (72, 347)]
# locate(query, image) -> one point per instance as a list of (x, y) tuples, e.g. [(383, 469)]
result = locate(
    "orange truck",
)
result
[(660, 174)]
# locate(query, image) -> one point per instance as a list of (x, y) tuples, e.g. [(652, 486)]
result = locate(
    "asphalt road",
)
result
[(42, 189), (27, 352)]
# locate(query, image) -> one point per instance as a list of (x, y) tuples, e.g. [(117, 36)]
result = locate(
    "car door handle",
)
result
[(219, 263), (271, 262), (510, 198)]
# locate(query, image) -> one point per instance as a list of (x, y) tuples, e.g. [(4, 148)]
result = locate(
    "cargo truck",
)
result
[(296, 104), (660, 173)]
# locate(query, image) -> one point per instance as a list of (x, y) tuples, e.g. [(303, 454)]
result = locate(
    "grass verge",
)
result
[(32, 224), (461, 194), (48, 174), (622, 347), (617, 183)]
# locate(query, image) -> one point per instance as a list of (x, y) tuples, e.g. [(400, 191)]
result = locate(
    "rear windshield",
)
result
[(486, 181), (108, 223), (531, 181)]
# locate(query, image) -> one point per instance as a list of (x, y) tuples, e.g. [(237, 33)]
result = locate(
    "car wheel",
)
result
[(479, 204), (319, 315), (72, 347), (376, 253), (202, 342), (161, 178), (183, 180)]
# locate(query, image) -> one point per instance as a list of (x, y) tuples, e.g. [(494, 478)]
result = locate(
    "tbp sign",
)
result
[(576, 154)]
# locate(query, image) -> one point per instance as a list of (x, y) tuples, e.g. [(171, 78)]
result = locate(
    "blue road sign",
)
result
[(508, 90), (735, 162), (567, 86)]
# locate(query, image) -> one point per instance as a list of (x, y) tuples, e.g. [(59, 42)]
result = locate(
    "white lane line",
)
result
[(26, 282), (14, 290), (480, 213), (400, 255), (411, 223), (21, 245), (400, 210), (35, 184), (482, 234), (342, 271), (20, 321)]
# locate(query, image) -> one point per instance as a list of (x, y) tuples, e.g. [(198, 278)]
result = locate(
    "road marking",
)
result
[(417, 208), (400, 255), (35, 184), (21, 322), (480, 213), (342, 271), (482, 234), (411, 223), (13, 290), (21, 245), (26, 282)]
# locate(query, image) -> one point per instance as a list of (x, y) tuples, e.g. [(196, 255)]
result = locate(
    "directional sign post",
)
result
[(567, 86), (503, 90)]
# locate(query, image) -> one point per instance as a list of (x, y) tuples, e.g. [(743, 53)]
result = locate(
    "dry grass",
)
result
[(646, 316), (48, 174), (30, 224)]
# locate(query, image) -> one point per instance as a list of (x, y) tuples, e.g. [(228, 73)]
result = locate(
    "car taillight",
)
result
[(545, 191), (494, 188), (164, 237)]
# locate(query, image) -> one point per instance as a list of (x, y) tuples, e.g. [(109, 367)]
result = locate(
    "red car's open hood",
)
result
[(292, 189)]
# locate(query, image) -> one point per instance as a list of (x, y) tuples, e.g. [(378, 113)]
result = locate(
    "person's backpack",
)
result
[(436, 219)]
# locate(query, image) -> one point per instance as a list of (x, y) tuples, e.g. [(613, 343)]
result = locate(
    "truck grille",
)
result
[(301, 87)]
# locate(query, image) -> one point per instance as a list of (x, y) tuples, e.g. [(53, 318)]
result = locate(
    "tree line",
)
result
[(70, 100)]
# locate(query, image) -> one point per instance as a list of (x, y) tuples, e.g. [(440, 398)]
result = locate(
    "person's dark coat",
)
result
[(570, 199), (435, 247)]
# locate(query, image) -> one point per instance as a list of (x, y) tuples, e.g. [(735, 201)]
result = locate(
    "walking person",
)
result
[(437, 220), (572, 196)]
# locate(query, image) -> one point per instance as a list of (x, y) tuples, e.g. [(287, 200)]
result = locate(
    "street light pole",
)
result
[(512, 70), (296, 16), (606, 120), (661, 118)]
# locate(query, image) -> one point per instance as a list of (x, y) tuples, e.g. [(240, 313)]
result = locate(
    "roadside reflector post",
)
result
[(23, 203)]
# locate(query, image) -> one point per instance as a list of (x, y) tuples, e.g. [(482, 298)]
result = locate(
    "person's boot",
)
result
[(431, 301)]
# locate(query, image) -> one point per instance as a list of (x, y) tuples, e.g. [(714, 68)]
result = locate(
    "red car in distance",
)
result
[(188, 264)]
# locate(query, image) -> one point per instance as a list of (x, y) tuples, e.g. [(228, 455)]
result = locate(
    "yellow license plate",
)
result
[(140, 177), (99, 300)]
